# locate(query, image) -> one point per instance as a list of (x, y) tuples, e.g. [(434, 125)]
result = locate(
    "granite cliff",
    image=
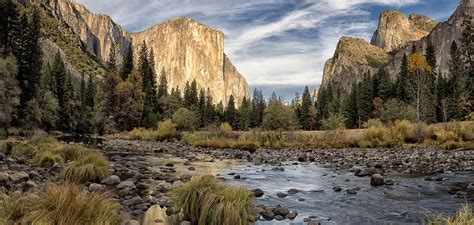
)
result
[(184, 48)]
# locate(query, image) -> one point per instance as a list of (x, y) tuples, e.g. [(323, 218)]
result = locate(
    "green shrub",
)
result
[(91, 168), (207, 201), (185, 119), (67, 204), (376, 136), (443, 136), (24, 150), (166, 130), (47, 159), (464, 216), (73, 152), (225, 127)]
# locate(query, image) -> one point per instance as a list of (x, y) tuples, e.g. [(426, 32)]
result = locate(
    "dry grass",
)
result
[(207, 201), (464, 216), (73, 152), (91, 168), (47, 159), (64, 204)]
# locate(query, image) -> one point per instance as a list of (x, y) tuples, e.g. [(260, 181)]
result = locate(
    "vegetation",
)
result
[(206, 201), (90, 168), (59, 204), (463, 216)]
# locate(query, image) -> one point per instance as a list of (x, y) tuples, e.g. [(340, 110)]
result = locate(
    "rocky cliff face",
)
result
[(185, 49), (395, 30), (353, 58), (396, 36)]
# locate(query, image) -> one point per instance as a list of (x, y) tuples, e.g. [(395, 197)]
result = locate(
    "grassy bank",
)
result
[(464, 216)]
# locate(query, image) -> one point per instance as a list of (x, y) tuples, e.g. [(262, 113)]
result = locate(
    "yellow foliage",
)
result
[(418, 63)]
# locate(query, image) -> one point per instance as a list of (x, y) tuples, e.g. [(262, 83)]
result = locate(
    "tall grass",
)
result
[(464, 216), (47, 159), (73, 152), (64, 204), (207, 201), (91, 168)]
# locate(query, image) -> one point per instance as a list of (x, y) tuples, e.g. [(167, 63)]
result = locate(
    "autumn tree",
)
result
[(419, 75)]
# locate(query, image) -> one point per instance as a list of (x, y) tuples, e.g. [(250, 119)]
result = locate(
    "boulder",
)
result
[(376, 180), (19, 176), (353, 190), (258, 192), (93, 187), (292, 215), (281, 211), (268, 215), (281, 195), (185, 178), (336, 188), (293, 191), (126, 184), (111, 180)]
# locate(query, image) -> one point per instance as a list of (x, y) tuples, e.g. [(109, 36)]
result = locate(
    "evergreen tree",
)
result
[(307, 111), (28, 51), (441, 97), (111, 60), (467, 40), (402, 82), (130, 99), (258, 107), (65, 94), (163, 86), (385, 86), (364, 100), (8, 26), (245, 113), (127, 64), (459, 103), (147, 71), (9, 92), (350, 111), (231, 113), (191, 95), (202, 108), (210, 109)]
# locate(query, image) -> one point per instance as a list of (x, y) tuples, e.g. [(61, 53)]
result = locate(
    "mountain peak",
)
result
[(395, 29)]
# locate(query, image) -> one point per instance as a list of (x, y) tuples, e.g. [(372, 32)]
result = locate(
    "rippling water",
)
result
[(409, 201)]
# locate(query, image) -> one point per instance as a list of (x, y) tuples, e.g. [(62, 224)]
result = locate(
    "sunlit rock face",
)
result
[(396, 36), (184, 49), (395, 30), (353, 58), (187, 50)]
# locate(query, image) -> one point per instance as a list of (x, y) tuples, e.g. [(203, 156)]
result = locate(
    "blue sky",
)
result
[(281, 43)]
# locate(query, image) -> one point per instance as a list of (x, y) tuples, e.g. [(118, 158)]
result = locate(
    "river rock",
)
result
[(132, 222), (133, 201), (376, 180), (237, 177), (470, 187), (268, 215), (366, 172), (126, 184), (282, 195), (281, 211), (169, 165), (93, 187), (111, 180), (19, 176), (388, 182), (336, 189), (292, 215), (4, 177), (191, 168), (185, 178), (258, 192), (279, 217), (353, 190), (313, 222), (293, 191)]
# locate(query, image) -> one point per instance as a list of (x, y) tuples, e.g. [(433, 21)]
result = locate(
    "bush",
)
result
[(67, 204), (405, 132), (225, 127), (47, 159), (73, 152), (185, 119), (443, 136), (166, 130), (463, 216), (335, 121), (451, 145), (206, 201), (376, 136), (91, 168), (24, 150)]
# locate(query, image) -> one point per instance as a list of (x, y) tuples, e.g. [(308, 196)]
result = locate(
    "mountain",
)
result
[(395, 36), (184, 48)]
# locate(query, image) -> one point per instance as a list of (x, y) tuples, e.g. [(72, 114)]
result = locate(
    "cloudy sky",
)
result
[(275, 44)]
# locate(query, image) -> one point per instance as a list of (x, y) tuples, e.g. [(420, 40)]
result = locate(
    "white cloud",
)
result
[(289, 48)]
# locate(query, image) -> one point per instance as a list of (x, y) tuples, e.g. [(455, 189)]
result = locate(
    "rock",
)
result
[(460, 194), (282, 195), (301, 199), (237, 177), (191, 168), (292, 215), (4, 178), (19, 176), (279, 218), (293, 191), (185, 178), (313, 222), (30, 184), (336, 188), (258, 192), (185, 223), (302, 158), (111, 180), (33, 174), (126, 184), (169, 165), (353, 190), (281, 211), (388, 182), (278, 168), (366, 172), (133, 201), (93, 187), (376, 180), (132, 222), (268, 215), (470, 187)]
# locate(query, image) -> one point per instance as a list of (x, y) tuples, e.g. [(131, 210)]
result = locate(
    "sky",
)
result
[(275, 44)]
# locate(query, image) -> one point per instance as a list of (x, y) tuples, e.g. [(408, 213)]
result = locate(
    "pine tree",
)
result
[(350, 111), (210, 109), (9, 26), (467, 40), (307, 113), (202, 108), (65, 94), (402, 82), (258, 107), (458, 106), (146, 68), (364, 100), (9, 92), (231, 113), (29, 53), (127, 64), (111, 60), (245, 113), (163, 86), (385, 86)]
